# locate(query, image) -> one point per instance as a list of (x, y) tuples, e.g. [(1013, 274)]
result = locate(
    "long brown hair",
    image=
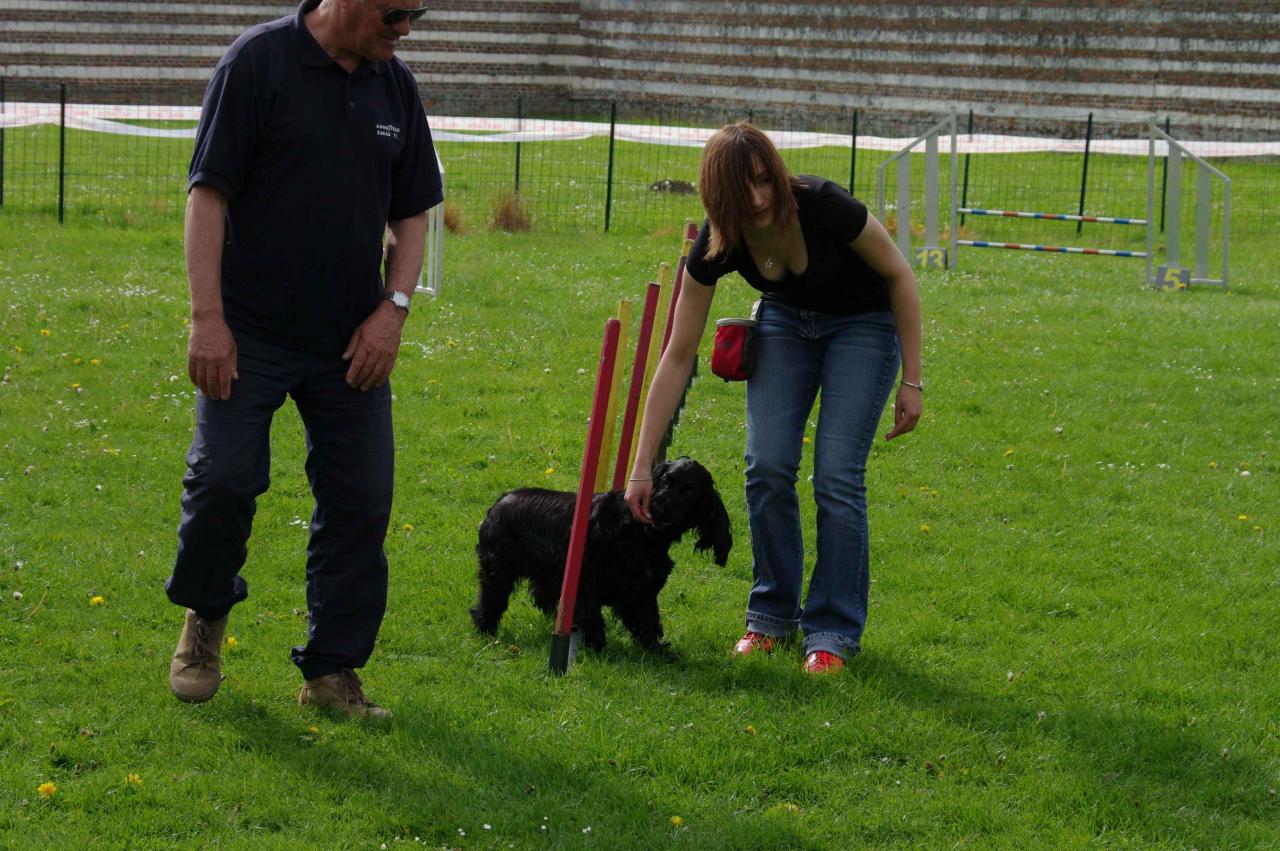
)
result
[(729, 163)]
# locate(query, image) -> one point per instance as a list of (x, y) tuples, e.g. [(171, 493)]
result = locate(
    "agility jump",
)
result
[(1170, 274)]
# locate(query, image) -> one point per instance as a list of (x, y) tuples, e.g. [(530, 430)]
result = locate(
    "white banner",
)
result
[(100, 118)]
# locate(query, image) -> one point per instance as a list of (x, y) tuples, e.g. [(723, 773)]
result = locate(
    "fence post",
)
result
[(62, 152), (1084, 175), (519, 127), (1, 143), (853, 156), (964, 192), (1164, 176), (608, 187)]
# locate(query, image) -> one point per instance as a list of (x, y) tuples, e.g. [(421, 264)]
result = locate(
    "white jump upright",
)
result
[(1171, 273), (432, 274), (932, 255)]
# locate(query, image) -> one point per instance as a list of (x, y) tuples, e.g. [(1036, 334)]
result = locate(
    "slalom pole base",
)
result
[(559, 661), (563, 649)]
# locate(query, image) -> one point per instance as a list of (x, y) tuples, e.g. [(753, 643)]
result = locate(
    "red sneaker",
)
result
[(822, 662), (753, 641)]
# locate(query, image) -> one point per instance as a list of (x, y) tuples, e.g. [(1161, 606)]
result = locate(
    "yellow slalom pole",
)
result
[(655, 343), (606, 446)]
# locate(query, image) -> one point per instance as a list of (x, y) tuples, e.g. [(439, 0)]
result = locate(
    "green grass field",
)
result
[(1072, 640)]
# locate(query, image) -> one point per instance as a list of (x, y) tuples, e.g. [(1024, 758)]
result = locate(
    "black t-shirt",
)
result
[(837, 279), (314, 162)]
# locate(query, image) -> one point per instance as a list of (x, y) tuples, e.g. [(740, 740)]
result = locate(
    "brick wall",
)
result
[(1207, 65)]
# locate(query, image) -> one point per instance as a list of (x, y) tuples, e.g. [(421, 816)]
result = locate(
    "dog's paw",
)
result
[(665, 651)]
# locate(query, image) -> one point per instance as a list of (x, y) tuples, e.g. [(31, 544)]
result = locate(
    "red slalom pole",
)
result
[(637, 385), (690, 232), (559, 661)]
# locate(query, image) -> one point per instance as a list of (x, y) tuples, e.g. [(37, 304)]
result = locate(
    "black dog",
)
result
[(525, 535)]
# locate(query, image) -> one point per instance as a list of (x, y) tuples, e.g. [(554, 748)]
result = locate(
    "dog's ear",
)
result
[(713, 527)]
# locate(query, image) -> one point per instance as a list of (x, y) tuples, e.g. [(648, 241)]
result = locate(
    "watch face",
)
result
[(400, 300)]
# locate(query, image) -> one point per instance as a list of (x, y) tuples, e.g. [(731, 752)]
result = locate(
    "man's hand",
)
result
[(374, 346), (211, 357)]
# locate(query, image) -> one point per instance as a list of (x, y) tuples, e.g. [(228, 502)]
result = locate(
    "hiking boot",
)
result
[(753, 641), (341, 691), (196, 670), (822, 662)]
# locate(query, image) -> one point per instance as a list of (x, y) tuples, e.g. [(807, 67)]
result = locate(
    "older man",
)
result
[(312, 143)]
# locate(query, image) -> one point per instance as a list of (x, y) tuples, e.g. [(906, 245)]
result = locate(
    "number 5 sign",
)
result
[(1172, 278)]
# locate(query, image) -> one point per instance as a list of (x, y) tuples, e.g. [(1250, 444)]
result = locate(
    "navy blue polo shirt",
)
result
[(314, 162)]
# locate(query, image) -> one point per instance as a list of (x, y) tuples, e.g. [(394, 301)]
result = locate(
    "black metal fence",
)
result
[(591, 166)]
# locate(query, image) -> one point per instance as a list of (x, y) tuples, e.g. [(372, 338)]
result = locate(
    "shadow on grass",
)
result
[(432, 778), (1134, 759)]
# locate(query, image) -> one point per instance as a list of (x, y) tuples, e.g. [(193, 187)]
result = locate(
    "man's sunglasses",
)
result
[(395, 16)]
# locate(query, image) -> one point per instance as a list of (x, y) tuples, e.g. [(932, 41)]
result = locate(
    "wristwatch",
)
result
[(399, 299)]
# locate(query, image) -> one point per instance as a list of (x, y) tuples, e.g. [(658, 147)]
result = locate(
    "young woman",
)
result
[(839, 313)]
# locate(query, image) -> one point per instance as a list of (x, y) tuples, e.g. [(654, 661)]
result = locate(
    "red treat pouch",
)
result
[(734, 355)]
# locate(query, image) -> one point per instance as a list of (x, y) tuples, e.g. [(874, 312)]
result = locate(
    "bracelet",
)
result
[(906, 383), (640, 480)]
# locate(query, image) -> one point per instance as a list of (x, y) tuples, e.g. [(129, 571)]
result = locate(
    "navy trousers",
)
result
[(350, 465)]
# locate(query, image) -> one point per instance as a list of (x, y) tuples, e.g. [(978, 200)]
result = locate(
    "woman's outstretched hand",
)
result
[(637, 497)]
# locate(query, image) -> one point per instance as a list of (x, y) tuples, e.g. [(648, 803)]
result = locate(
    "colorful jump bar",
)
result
[(1056, 249), (1061, 217)]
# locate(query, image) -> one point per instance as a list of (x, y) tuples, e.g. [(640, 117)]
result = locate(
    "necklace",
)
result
[(768, 260)]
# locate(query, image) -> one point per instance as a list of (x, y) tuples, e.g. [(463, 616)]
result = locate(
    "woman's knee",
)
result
[(844, 487), (771, 468)]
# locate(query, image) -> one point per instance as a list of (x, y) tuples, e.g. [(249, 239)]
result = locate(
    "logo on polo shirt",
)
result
[(389, 130)]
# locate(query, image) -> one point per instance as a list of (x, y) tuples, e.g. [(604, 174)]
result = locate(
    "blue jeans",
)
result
[(853, 361)]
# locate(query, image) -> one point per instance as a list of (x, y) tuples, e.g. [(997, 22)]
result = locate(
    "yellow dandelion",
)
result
[(132, 780), (408, 527), (676, 821), (450, 342), (47, 790), (750, 731), (77, 361), (550, 470), (1242, 517), (807, 440), (313, 730), (94, 362), (1008, 452), (1213, 465), (44, 332), (97, 600), (924, 527), (231, 641), (75, 385)]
